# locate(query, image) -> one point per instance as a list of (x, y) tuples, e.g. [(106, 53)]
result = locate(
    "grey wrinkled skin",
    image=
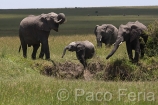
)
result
[(105, 33), (131, 33), (35, 30), (84, 50)]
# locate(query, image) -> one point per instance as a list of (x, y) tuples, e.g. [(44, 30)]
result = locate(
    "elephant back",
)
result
[(88, 44), (28, 21), (138, 24)]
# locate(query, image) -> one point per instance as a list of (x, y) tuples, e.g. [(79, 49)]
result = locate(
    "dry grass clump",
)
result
[(119, 69)]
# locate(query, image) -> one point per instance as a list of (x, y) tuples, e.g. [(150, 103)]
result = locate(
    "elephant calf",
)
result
[(84, 50)]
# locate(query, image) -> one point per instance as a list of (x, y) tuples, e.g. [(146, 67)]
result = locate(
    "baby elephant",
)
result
[(84, 50)]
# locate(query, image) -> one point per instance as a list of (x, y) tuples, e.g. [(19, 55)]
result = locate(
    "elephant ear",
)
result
[(95, 29), (43, 22), (135, 32), (109, 29), (80, 47)]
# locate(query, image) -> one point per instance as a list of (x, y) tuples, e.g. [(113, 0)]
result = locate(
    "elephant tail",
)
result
[(19, 48)]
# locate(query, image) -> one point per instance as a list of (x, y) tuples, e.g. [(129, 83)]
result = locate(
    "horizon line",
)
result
[(80, 7)]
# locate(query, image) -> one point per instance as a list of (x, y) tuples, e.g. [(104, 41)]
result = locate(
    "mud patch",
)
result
[(60, 70), (69, 70), (95, 70), (119, 69)]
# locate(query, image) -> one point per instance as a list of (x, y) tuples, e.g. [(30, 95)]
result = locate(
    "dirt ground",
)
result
[(72, 70), (95, 70)]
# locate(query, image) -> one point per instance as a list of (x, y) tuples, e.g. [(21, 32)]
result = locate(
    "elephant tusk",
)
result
[(58, 21), (120, 43)]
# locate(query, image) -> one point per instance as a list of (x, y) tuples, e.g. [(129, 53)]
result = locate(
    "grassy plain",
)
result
[(22, 84)]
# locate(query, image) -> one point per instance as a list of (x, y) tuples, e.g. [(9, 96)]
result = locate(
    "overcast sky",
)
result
[(17, 4)]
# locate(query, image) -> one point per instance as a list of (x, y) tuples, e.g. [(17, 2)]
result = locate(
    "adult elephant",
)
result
[(131, 33), (36, 29), (105, 33)]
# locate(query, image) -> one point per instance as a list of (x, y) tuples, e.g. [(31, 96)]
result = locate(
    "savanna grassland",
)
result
[(115, 82)]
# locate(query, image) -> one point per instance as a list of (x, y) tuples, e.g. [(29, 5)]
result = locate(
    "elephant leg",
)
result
[(142, 53), (23, 44), (41, 55), (81, 57), (142, 47), (136, 58), (35, 48), (137, 51), (83, 62), (129, 50), (24, 48), (45, 48)]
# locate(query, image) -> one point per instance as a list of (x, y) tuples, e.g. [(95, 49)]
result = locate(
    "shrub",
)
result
[(152, 44)]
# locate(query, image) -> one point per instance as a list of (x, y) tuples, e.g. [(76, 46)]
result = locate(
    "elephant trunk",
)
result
[(64, 51), (99, 44), (61, 18), (99, 41), (116, 46)]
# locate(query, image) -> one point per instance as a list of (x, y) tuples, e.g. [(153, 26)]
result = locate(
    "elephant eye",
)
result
[(124, 33), (102, 32), (103, 29), (72, 46)]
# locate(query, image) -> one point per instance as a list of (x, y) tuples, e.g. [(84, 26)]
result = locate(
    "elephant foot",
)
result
[(24, 56), (142, 55), (135, 61), (131, 60), (33, 57), (40, 57)]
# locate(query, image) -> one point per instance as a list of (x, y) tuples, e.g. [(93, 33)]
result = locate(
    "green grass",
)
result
[(22, 84), (78, 21), (39, 90)]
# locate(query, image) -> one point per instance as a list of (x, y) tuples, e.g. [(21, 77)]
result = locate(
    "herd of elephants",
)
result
[(35, 30)]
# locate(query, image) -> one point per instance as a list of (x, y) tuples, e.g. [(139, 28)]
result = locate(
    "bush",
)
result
[(152, 44)]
